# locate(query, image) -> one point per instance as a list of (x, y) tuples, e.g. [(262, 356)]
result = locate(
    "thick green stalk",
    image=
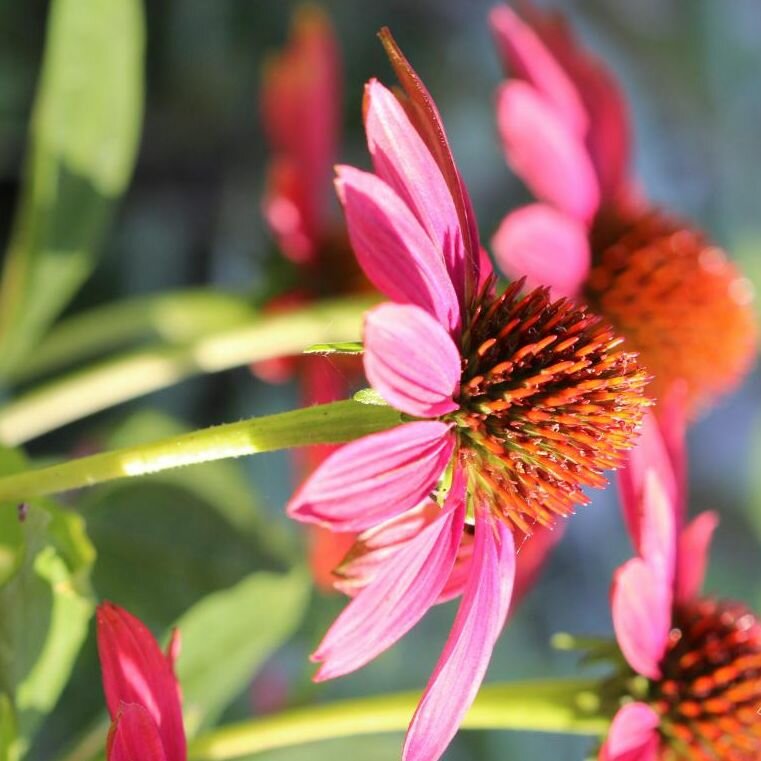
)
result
[(543, 706), (321, 424), (107, 384)]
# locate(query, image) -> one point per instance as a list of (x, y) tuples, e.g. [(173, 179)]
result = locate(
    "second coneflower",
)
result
[(664, 286), (515, 403), (693, 689)]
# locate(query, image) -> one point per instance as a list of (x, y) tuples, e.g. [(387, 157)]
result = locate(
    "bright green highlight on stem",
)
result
[(568, 706), (321, 424), (131, 375)]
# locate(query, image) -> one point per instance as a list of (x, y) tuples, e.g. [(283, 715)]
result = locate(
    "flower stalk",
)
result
[(558, 706), (321, 424)]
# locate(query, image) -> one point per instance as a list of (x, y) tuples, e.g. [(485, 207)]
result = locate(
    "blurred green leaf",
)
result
[(197, 530), (228, 635), (9, 750), (45, 607), (83, 140)]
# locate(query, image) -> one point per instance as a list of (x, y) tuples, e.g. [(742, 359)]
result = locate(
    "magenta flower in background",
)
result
[(301, 114), (514, 403), (142, 693), (669, 291), (701, 658)]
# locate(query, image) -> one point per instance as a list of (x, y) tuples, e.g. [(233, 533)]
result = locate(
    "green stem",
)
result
[(174, 318), (544, 706), (83, 393), (321, 424)]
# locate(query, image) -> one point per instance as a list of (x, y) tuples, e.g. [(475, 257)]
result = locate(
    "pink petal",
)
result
[(134, 735), (461, 668), (633, 735), (392, 248), (527, 58), (692, 558), (411, 360), (530, 556), (649, 455), (424, 115), (403, 160), (546, 246), (641, 608), (368, 556), (136, 671), (671, 414), (458, 579), (405, 588), (607, 138), (375, 478), (301, 108), (658, 530), (544, 152)]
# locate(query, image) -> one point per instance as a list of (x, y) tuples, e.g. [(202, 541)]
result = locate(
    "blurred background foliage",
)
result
[(209, 546)]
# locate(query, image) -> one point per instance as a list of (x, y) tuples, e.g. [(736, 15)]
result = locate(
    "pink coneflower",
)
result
[(515, 403), (669, 291), (699, 659), (142, 694)]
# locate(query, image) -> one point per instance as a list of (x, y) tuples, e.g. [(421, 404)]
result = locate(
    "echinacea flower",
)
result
[(514, 404), (301, 112), (660, 282), (142, 694), (699, 659)]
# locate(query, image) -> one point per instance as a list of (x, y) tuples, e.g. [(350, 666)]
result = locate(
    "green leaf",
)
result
[(9, 749), (45, 607), (83, 140), (339, 347), (228, 635)]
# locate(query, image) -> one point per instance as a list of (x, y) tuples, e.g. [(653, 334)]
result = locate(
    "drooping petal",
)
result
[(544, 153), (658, 526), (526, 57), (301, 105), (403, 160), (136, 671), (375, 478), (633, 735), (369, 554), (641, 608), (544, 245), (649, 455), (411, 360), (458, 579), (461, 668), (406, 586), (392, 248), (694, 546), (423, 113), (671, 414), (134, 735), (531, 553)]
